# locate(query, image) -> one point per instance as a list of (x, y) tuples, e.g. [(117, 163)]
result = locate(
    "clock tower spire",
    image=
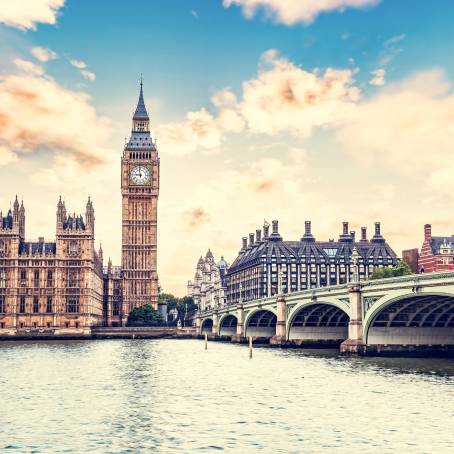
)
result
[(140, 191)]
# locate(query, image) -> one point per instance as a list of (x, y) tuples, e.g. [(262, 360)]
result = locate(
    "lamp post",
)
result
[(355, 256)]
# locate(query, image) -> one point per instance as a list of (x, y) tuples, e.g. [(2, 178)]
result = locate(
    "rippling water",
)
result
[(173, 396)]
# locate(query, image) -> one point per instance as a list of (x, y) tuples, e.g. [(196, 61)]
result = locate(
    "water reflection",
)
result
[(173, 396)]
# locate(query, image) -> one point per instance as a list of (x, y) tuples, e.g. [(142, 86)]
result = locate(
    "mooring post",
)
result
[(250, 346), (206, 341)]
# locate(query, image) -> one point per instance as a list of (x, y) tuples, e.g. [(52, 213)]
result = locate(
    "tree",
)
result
[(401, 269), (145, 315), (182, 305)]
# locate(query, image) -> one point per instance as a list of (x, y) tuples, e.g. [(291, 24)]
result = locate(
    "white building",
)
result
[(209, 286)]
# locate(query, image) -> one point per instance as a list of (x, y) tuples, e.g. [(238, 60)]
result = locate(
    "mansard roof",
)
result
[(37, 248), (304, 251), (437, 241)]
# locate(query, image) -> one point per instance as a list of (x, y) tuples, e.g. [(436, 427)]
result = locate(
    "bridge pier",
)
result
[(354, 345), (214, 329), (240, 323), (198, 323), (281, 335)]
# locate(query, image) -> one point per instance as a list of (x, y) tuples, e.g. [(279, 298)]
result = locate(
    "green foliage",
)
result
[(182, 305), (401, 269), (145, 316)]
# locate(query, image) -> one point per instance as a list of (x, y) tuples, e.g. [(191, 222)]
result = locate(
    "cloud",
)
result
[(39, 115), (290, 12), (408, 129), (283, 98), (196, 217), (25, 14), (88, 74), (7, 156), (79, 64), (391, 50), (43, 54), (195, 13), (28, 67), (379, 77)]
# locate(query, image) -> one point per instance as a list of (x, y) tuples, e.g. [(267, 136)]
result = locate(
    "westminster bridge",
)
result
[(408, 314)]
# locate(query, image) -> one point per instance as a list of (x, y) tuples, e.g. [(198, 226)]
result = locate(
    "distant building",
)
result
[(437, 253), (208, 289), (304, 264)]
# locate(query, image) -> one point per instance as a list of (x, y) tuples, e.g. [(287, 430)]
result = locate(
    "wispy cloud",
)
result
[(25, 14), (43, 54), (195, 13), (378, 78), (391, 49), (88, 74), (82, 67), (290, 12), (79, 64)]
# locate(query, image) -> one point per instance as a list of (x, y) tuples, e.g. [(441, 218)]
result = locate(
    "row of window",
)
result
[(72, 305)]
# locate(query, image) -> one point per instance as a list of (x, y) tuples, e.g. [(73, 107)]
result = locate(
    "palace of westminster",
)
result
[(61, 287)]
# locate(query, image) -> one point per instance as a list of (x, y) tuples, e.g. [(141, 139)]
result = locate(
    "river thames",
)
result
[(173, 396)]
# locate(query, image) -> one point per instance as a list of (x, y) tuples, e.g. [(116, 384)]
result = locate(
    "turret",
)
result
[(16, 213), (90, 215), (22, 220), (61, 214), (100, 253)]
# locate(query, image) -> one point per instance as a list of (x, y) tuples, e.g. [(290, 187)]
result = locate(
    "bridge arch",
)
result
[(227, 325), (261, 322), (411, 319), (206, 326), (321, 323)]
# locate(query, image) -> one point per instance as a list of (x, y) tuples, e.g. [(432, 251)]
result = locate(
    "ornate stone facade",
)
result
[(50, 286), (140, 191), (209, 286), (59, 286)]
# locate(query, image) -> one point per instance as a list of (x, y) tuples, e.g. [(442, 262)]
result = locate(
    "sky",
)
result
[(295, 110)]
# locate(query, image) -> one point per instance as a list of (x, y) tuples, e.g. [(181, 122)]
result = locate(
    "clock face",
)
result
[(140, 175)]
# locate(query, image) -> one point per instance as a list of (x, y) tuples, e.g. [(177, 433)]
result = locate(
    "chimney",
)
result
[(377, 229), (244, 242), (258, 235), (427, 232), (251, 239), (353, 234), (307, 228), (41, 239), (345, 228), (363, 234), (275, 227), (266, 231)]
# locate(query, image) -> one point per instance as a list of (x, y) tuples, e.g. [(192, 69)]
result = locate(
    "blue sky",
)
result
[(369, 139)]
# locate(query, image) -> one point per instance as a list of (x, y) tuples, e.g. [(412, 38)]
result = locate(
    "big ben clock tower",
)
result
[(140, 191)]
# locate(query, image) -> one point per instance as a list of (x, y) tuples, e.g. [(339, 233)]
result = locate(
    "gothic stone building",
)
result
[(59, 286), (303, 264), (55, 286), (208, 289)]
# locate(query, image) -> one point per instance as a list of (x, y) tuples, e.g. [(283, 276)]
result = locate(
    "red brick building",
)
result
[(437, 253)]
